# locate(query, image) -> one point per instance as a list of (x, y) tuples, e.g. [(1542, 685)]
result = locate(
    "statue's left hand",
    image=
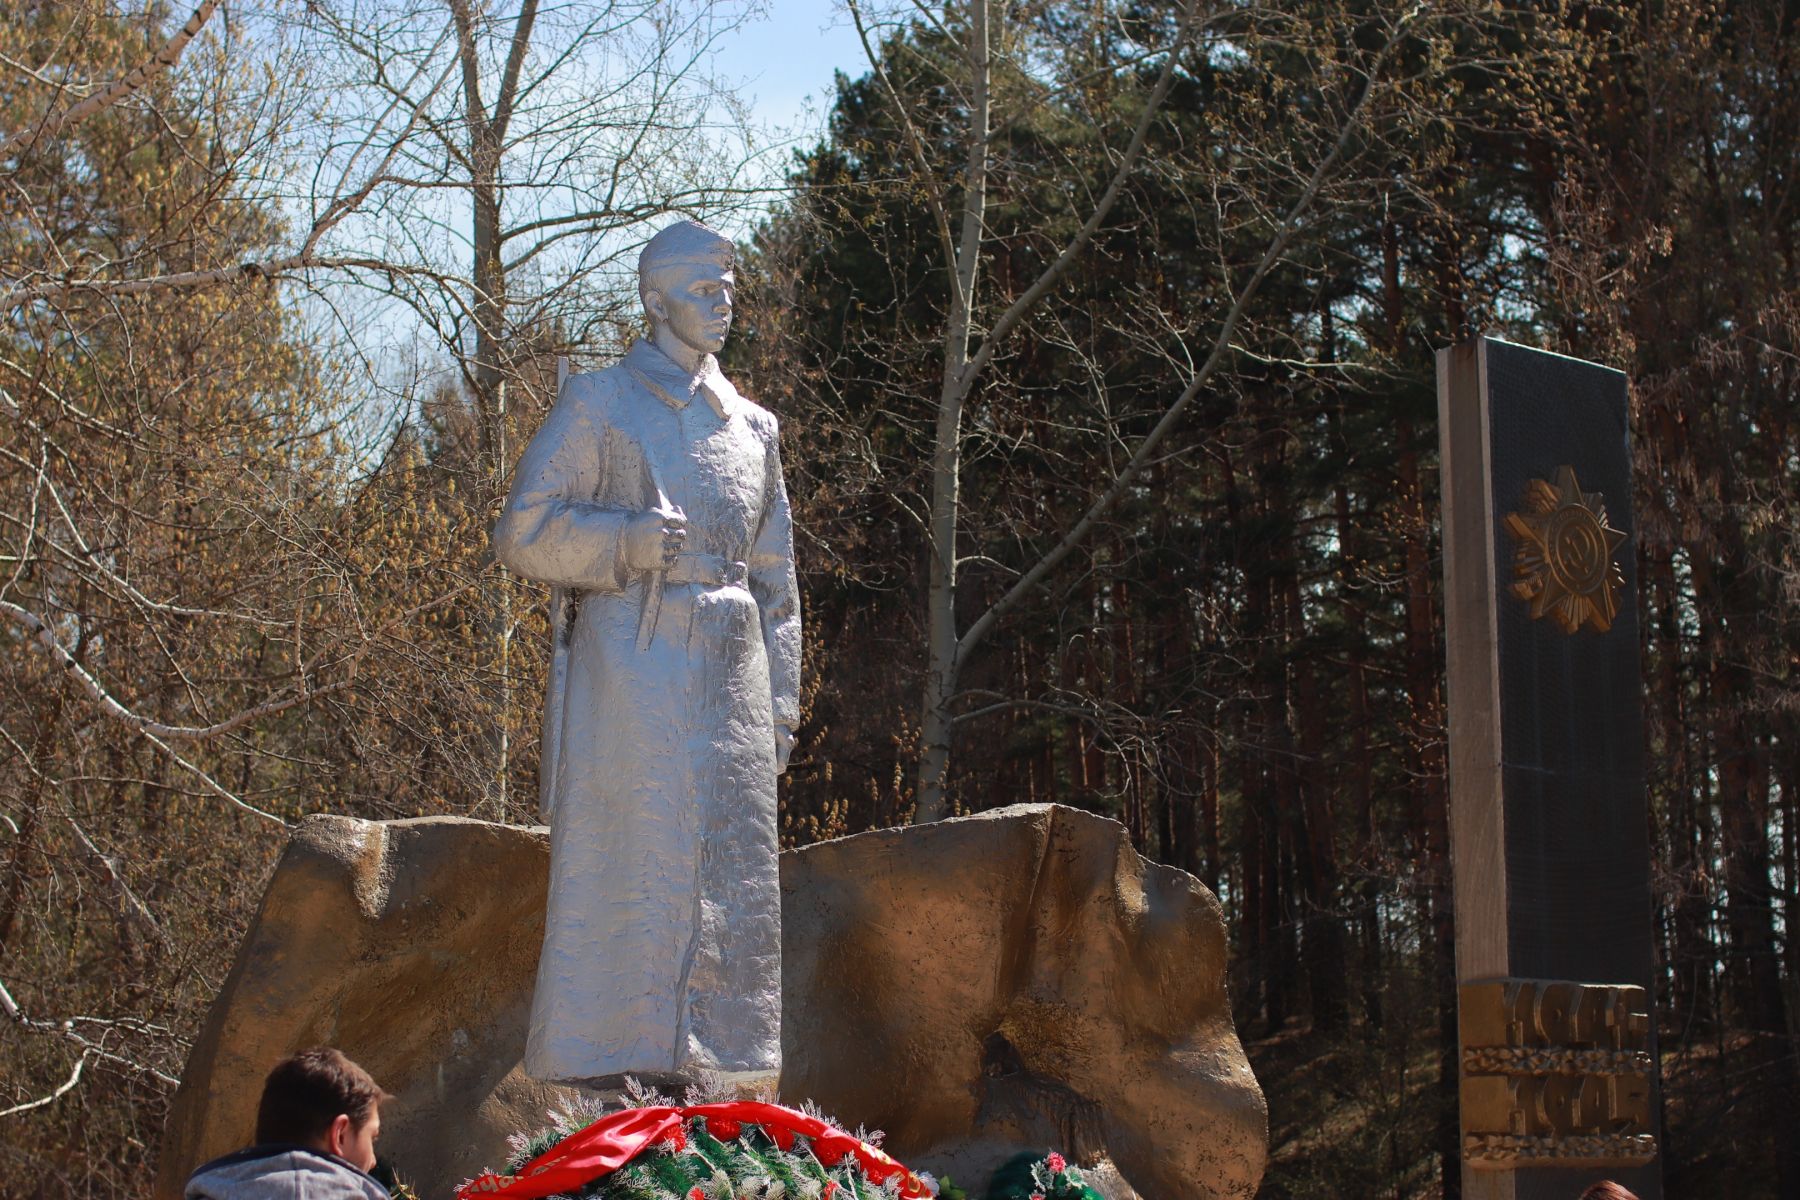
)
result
[(784, 746)]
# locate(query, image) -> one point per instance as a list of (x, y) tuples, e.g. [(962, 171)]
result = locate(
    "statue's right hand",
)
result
[(653, 538)]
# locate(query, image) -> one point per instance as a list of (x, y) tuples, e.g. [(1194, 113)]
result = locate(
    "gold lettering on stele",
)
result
[(1555, 1073), (1565, 560)]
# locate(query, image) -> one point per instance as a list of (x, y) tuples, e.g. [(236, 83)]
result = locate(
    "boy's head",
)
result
[(319, 1098), (1606, 1189)]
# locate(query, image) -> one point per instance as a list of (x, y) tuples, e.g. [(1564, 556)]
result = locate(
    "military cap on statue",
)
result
[(687, 243)]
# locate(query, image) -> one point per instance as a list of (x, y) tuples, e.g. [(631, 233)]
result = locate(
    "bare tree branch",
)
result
[(46, 638), (134, 909), (66, 1030), (177, 281), (1222, 341), (53, 1097), (1020, 308), (132, 81), (915, 143)]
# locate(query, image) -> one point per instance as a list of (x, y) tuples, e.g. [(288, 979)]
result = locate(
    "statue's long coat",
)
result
[(662, 938)]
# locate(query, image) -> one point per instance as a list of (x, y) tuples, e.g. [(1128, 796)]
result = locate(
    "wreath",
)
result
[(1028, 1177), (738, 1150)]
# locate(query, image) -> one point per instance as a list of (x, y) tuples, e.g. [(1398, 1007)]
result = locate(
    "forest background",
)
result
[(1102, 339)]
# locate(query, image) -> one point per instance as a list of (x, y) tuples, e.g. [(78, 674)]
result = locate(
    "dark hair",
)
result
[(304, 1094), (1606, 1189)]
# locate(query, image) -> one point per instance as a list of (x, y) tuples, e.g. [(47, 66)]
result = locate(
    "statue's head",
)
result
[(686, 282)]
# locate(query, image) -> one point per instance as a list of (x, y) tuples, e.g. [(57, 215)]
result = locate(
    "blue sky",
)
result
[(785, 59)]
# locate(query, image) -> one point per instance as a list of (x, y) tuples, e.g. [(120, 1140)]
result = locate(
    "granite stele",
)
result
[(652, 502), (1547, 804)]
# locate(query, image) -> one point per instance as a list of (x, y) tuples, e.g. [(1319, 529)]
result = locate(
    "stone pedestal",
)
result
[(1016, 980)]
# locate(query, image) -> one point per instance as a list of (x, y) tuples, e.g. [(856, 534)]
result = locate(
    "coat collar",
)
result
[(674, 386)]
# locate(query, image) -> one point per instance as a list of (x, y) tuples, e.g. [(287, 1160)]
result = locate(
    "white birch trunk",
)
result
[(936, 720)]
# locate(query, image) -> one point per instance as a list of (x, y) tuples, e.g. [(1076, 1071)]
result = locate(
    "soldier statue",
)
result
[(652, 503)]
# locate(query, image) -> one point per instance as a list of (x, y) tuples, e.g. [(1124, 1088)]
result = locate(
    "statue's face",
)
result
[(695, 303)]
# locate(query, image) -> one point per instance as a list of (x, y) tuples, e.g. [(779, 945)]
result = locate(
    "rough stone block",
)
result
[(1015, 980)]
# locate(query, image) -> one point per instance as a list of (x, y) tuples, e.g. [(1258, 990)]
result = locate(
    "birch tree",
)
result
[(1141, 59), (540, 141)]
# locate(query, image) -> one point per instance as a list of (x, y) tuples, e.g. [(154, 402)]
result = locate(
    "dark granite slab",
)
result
[(1571, 705)]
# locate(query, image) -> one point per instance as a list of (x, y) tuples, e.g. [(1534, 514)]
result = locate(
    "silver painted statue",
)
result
[(652, 502)]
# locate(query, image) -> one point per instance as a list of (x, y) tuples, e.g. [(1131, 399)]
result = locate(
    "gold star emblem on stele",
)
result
[(1564, 559)]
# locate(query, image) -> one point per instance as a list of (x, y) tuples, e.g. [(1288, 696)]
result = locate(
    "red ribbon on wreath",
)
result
[(616, 1139)]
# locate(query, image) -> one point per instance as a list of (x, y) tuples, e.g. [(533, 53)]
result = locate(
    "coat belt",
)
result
[(708, 570)]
